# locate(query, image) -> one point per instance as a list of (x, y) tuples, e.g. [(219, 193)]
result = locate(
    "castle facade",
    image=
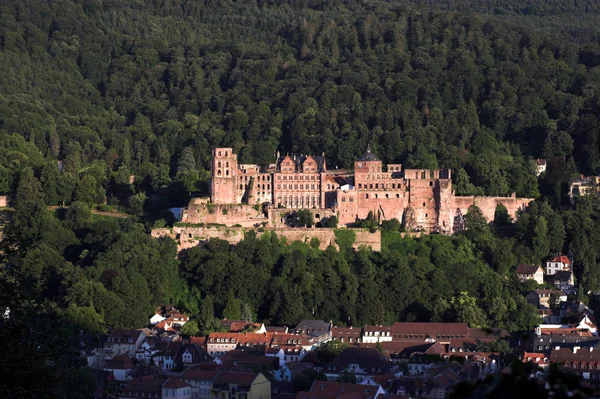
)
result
[(422, 199)]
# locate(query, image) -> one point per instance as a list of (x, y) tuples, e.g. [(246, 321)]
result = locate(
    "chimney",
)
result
[(557, 348), (576, 348)]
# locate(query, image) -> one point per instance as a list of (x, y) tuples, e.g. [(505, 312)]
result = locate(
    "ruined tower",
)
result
[(223, 174)]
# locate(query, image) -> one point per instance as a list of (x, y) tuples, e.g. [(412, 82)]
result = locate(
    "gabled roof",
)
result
[(299, 160), (379, 328), (231, 377), (333, 390), (119, 362), (581, 355), (528, 269), (175, 383), (312, 325), (420, 331), (118, 336), (562, 258), (199, 374), (366, 358)]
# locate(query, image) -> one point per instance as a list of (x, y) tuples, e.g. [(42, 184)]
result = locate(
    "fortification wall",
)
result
[(277, 216), (488, 205), (200, 211), (190, 236)]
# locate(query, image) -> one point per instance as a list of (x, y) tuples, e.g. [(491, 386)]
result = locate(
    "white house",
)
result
[(540, 166), (374, 334), (558, 263), (174, 388), (157, 318)]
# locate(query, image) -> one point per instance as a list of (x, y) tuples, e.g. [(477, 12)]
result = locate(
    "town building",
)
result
[(557, 264), (545, 298), (530, 272), (540, 166), (123, 341), (234, 385), (583, 186)]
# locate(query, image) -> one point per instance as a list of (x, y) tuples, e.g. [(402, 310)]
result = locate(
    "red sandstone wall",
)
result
[(244, 215), (488, 204), (188, 237)]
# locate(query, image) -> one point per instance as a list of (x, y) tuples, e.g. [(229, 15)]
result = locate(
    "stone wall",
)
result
[(200, 211), (277, 216), (488, 205), (190, 236)]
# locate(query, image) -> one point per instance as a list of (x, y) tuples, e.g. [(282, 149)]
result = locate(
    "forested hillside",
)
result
[(94, 92), (577, 20), (147, 88)]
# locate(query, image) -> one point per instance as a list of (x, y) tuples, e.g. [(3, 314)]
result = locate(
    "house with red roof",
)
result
[(540, 359), (558, 263), (340, 390), (121, 365), (200, 381)]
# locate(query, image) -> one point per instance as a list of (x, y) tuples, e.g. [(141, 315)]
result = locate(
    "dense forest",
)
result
[(114, 89), (122, 101), (576, 20)]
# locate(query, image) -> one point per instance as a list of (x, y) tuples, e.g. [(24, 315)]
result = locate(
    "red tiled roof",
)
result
[(119, 362), (199, 374), (562, 258), (175, 383), (230, 377), (333, 390), (431, 329), (147, 385), (377, 328), (538, 358)]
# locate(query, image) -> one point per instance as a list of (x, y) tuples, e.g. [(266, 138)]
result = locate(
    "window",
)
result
[(366, 196), (423, 203), (359, 185), (350, 199), (343, 199)]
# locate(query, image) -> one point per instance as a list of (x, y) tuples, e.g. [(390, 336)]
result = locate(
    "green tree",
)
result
[(190, 328), (232, 309)]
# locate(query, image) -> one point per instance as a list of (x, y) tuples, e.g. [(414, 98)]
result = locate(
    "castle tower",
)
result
[(223, 175)]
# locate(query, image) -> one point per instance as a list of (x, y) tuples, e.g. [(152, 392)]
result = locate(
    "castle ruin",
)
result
[(253, 195)]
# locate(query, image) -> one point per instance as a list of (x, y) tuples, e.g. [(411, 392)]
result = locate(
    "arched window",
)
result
[(371, 186), (359, 185), (393, 185), (376, 185), (219, 153), (227, 164), (219, 164)]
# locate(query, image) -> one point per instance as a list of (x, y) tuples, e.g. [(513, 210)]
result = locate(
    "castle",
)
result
[(250, 195)]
